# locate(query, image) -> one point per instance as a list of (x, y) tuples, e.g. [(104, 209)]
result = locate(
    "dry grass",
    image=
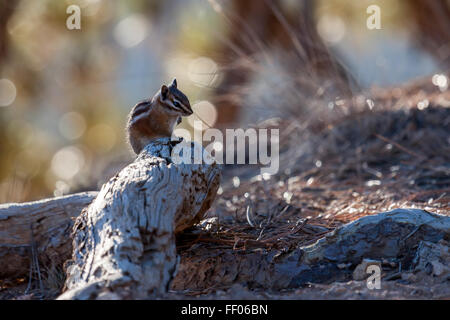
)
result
[(49, 286)]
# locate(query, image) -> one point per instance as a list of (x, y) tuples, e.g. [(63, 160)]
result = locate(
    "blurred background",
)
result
[(65, 94)]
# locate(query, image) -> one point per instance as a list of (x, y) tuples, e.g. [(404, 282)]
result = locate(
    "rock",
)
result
[(360, 272), (433, 258), (438, 268), (344, 265), (408, 276)]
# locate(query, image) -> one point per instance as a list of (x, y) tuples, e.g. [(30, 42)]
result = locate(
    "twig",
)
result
[(249, 213), (399, 146)]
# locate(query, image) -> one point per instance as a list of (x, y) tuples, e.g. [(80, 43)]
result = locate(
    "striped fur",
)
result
[(140, 108), (176, 100)]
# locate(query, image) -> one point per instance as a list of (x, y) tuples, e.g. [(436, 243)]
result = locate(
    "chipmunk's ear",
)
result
[(164, 91), (174, 82)]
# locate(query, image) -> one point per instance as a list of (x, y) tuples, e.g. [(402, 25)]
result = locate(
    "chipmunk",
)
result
[(157, 117)]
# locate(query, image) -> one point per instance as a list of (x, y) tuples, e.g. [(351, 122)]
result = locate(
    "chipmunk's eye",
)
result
[(176, 104)]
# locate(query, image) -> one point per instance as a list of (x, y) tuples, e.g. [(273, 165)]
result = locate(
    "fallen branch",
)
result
[(47, 223)]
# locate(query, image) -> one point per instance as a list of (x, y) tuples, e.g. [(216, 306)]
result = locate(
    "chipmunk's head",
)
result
[(174, 100)]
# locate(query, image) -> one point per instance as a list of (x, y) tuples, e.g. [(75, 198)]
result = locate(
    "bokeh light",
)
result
[(203, 111), (61, 188), (132, 30), (331, 28), (7, 92), (218, 146), (67, 162), (72, 125), (203, 71), (441, 81), (421, 105), (236, 182), (90, 7)]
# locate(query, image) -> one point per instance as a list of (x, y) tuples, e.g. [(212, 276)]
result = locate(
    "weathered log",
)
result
[(390, 235), (45, 225), (124, 242)]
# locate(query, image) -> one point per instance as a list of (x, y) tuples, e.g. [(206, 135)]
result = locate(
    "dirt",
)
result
[(422, 288)]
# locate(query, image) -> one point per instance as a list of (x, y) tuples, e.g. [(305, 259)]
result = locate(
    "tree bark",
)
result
[(6, 11), (43, 225), (124, 242)]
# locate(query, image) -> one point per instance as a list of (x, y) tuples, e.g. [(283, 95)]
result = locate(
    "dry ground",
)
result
[(361, 161)]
